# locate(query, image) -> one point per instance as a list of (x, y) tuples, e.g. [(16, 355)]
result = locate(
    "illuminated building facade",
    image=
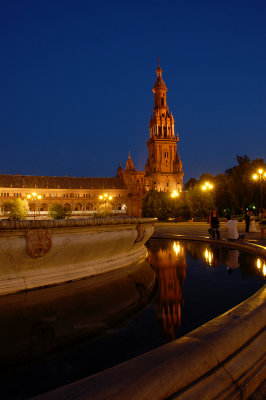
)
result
[(163, 172)]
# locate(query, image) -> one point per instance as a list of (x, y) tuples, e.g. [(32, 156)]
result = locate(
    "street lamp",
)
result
[(207, 186), (174, 194), (261, 175), (34, 197), (105, 198)]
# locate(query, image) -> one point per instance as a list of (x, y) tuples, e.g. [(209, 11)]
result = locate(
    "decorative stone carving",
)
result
[(38, 242), (140, 228)]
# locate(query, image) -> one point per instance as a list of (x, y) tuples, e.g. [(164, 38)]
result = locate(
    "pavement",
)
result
[(200, 230)]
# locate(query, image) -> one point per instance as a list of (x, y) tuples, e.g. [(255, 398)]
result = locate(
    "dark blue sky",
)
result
[(76, 82)]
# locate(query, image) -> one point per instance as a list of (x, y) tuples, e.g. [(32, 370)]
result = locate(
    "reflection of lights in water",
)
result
[(259, 264), (176, 248), (208, 256)]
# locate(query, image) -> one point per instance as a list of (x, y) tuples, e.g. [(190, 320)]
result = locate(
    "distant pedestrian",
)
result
[(214, 224), (247, 220)]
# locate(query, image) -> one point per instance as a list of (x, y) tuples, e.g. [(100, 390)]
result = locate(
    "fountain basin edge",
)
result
[(35, 254)]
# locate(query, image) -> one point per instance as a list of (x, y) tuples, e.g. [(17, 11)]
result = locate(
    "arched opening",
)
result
[(89, 207), (67, 206), (78, 207), (44, 207), (6, 207)]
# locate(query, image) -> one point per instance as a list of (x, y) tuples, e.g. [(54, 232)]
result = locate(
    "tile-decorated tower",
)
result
[(164, 167)]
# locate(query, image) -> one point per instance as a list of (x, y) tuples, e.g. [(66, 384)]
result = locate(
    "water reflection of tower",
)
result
[(170, 264)]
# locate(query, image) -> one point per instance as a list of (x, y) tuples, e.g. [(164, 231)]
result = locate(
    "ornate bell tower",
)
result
[(164, 167)]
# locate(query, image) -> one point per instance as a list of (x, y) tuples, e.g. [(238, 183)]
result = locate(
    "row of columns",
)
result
[(155, 130)]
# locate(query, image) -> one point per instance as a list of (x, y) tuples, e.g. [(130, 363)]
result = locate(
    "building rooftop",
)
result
[(59, 182)]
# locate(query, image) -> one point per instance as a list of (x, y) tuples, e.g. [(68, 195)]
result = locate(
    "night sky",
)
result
[(76, 81)]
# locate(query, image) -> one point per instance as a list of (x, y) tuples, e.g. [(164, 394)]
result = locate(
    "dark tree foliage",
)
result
[(235, 190), (157, 205), (190, 183), (242, 189), (162, 206)]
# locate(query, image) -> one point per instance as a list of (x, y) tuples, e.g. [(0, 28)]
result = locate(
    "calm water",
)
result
[(57, 335)]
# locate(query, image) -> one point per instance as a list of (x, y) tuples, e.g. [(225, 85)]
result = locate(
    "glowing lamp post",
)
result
[(207, 186), (174, 194), (34, 197), (105, 198), (261, 175)]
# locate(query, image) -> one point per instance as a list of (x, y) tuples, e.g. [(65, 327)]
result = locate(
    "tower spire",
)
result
[(129, 164)]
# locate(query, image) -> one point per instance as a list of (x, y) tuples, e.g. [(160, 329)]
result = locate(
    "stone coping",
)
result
[(64, 223)]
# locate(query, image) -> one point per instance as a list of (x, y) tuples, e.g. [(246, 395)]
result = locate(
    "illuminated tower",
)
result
[(164, 167)]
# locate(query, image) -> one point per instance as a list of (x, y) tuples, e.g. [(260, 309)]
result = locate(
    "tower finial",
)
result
[(158, 61)]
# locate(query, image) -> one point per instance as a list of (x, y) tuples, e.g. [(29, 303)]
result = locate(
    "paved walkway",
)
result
[(200, 229)]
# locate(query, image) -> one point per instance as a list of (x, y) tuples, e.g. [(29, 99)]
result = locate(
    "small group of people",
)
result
[(231, 225)]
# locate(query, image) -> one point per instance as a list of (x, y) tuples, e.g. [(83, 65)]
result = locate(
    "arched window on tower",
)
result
[(162, 101)]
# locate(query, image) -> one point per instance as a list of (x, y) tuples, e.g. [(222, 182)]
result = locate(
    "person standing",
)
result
[(252, 226), (214, 224), (247, 220)]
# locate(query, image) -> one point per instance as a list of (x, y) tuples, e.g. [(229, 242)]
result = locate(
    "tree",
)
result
[(57, 211), (190, 183), (157, 205), (235, 190), (240, 187), (162, 206), (16, 209), (200, 202), (222, 198)]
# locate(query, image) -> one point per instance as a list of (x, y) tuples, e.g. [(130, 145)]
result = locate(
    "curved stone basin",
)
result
[(40, 253), (44, 321), (222, 359)]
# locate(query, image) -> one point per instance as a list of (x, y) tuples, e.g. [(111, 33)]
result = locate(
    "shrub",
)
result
[(103, 214), (16, 209), (57, 211)]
